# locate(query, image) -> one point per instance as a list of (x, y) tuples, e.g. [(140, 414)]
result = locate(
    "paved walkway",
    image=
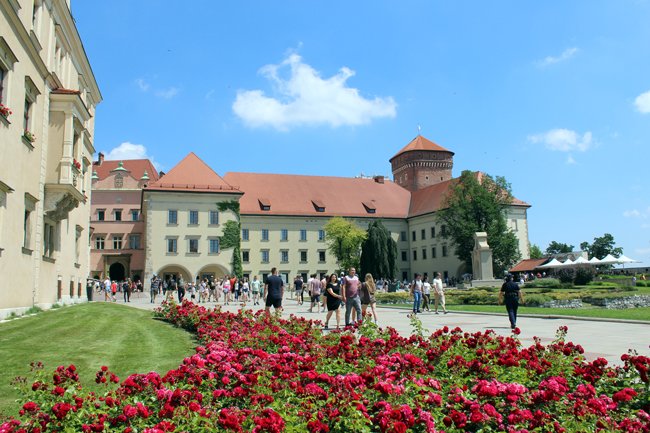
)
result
[(598, 338)]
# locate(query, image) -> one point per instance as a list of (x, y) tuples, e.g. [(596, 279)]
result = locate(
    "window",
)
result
[(77, 243), (321, 235), (214, 245), (118, 215), (415, 255), (433, 252), (48, 239), (172, 244), (303, 256), (444, 251), (424, 253), (265, 256), (99, 242), (193, 246), (265, 234), (135, 214), (423, 234), (284, 256), (117, 242), (443, 230), (101, 214), (433, 232), (321, 256), (134, 242), (413, 235), (303, 235), (27, 114), (3, 75), (172, 217), (119, 180), (245, 256), (284, 235), (402, 236), (404, 256), (30, 208), (214, 217), (244, 234), (194, 217), (514, 225)]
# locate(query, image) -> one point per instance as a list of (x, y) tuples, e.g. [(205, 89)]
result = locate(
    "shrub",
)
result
[(33, 310), (583, 276), (552, 283), (393, 298), (537, 300), (566, 275)]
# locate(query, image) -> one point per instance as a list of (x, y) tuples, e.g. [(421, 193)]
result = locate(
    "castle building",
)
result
[(282, 217), (48, 96), (117, 244)]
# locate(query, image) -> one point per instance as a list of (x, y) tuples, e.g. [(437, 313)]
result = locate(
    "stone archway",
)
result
[(117, 272), (174, 271), (212, 272)]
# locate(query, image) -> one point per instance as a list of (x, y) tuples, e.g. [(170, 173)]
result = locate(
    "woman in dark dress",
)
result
[(334, 297)]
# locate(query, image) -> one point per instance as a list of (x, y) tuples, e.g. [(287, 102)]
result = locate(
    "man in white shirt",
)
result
[(438, 294)]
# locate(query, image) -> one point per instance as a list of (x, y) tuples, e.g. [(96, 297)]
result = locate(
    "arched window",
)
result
[(119, 181)]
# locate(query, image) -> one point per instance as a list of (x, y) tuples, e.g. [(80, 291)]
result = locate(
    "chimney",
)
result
[(379, 179), (101, 158)]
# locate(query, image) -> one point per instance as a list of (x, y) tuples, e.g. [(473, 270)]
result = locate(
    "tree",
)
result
[(558, 248), (602, 246), (378, 252), (536, 252), (344, 239), (477, 203)]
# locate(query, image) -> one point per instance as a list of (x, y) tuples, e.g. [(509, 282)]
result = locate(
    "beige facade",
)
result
[(182, 234), (47, 147)]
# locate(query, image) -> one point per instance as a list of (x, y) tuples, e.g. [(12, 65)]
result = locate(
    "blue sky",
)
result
[(555, 96)]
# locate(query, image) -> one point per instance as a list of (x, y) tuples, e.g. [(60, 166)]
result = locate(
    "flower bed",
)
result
[(263, 374)]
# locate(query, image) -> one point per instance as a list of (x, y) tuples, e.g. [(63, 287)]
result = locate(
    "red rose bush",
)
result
[(260, 373)]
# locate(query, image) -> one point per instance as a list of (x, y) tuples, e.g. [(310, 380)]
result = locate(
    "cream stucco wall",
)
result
[(155, 207), (38, 179)]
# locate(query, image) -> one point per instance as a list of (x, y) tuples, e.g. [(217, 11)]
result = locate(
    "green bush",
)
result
[(566, 275), (480, 296), (537, 300), (551, 283), (392, 298), (583, 276)]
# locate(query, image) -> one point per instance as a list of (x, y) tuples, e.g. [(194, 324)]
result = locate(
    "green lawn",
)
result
[(125, 339), (630, 313)]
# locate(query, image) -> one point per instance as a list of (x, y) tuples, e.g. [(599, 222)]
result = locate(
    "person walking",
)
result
[(416, 292), (226, 290), (273, 291), (351, 296), (512, 295), (114, 291), (314, 292), (255, 288), (297, 285), (438, 294), (155, 286), (368, 289), (334, 298), (180, 289), (426, 294), (107, 289)]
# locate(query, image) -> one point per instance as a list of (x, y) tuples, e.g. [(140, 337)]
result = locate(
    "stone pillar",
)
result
[(483, 274)]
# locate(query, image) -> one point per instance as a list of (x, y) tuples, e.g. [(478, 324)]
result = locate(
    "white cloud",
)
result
[(642, 102), (570, 160), (563, 140), (129, 150), (636, 213), (642, 251), (167, 93), (142, 84), (551, 60), (306, 98)]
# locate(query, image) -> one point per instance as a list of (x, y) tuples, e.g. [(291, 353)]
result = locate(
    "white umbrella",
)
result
[(552, 264), (609, 260)]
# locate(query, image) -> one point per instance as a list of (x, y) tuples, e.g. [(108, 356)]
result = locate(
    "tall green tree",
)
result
[(536, 252), (378, 252), (477, 203), (558, 248), (602, 246), (344, 239)]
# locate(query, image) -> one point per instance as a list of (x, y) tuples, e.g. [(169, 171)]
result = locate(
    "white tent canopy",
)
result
[(581, 261), (595, 261), (568, 262), (625, 259), (555, 263), (609, 260)]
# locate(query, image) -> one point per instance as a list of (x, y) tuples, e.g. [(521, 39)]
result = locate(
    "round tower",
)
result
[(421, 163)]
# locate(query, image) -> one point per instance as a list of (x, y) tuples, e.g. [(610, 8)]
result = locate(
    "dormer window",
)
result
[(370, 206), (265, 204), (319, 206), (119, 181)]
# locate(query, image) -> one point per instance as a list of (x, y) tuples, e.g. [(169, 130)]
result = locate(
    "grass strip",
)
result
[(127, 340)]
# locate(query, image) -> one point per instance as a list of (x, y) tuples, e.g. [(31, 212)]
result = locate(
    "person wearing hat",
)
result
[(512, 295)]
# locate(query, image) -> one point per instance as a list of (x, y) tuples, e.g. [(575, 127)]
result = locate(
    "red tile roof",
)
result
[(136, 168), (301, 195), (528, 265), (421, 143), (431, 198), (192, 174)]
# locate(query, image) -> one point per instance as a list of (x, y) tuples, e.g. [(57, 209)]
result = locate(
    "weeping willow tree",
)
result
[(378, 252)]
